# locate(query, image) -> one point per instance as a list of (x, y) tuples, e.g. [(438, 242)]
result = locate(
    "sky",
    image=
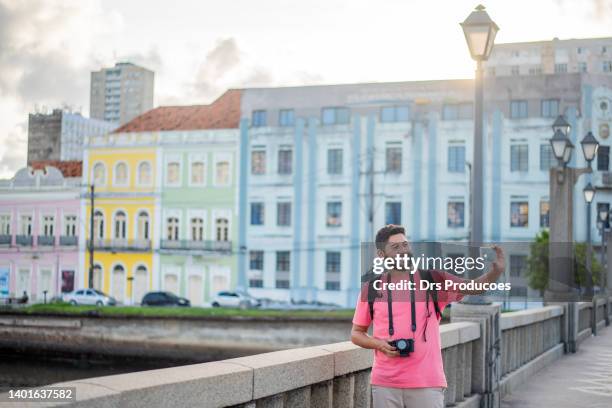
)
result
[(200, 48)]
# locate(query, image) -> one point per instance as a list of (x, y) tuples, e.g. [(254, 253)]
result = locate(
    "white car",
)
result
[(88, 297), (235, 299)]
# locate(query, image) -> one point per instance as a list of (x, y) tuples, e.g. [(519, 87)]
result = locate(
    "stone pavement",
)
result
[(583, 379)]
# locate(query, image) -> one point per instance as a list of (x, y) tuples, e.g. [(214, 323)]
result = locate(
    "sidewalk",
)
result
[(583, 379)]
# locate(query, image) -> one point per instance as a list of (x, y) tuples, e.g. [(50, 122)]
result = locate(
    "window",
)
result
[(515, 70), (606, 66), (583, 67), (334, 161), (256, 260), (550, 108), (258, 162), (143, 225), (519, 157), (518, 265), (5, 224), (197, 229), (99, 224), (560, 68), (283, 214), (535, 70), (603, 157), (394, 159), (395, 114), (99, 174), (335, 116), (544, 214), (285, 156), (334, 214), (332, 270), (172, 232), (519, 214), (173, 173), (120, 225), (257, 214), (547, 158), (518, 109), (197, 173), (144, 173), (222, 229), (48, 222), (255, 283), (121, 174), (259, 118), (456, 159), (286, 117), (393, 213), (26, 225), (222, 177), (456, 111), (283, 265), (455, 215)]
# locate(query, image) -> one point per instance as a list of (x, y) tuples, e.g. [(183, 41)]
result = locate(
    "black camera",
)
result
[(404, 346)]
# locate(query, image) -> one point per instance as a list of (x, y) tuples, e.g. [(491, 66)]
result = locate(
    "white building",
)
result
[(307, 205)]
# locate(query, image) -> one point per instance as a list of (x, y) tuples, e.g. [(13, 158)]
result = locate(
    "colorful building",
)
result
[(39, 219), (165, 202)]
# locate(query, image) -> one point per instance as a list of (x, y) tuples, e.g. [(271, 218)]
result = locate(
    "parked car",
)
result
[(235, 299), (89, 297), (164, 299)]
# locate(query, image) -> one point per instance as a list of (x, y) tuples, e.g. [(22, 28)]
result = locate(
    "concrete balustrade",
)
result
[(486, 355)]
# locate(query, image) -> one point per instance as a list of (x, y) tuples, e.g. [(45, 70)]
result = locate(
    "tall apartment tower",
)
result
[(121, 93)]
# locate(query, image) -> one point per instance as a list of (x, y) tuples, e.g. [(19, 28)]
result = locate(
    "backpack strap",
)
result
[(428, 276)]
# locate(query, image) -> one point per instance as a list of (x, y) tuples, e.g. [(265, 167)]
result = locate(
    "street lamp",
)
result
[(590, 145), (480, 32), (589, 193)]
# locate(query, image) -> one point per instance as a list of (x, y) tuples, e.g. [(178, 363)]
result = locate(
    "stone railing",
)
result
[(486, 355)]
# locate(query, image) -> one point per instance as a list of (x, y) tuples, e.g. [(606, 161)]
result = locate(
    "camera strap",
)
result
[(412, 307)]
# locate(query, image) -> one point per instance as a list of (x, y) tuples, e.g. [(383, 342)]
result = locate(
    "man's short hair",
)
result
[(383, 234)]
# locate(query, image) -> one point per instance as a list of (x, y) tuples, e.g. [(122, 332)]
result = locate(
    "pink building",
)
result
[(39, 224)]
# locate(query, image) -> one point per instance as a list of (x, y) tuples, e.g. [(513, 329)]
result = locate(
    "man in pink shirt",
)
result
[(415, 380)]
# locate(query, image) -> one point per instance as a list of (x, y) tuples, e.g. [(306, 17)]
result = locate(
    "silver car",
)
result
[(89, 297)]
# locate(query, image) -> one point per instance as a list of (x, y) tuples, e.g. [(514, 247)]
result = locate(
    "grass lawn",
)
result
[(67, 309)]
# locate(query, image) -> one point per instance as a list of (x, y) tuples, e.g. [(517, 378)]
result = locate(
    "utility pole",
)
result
[(91, 235)]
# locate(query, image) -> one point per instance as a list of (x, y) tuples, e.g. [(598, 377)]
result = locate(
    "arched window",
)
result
[(172, 174), (222, 227), (99, 174), (143, 225), (144, 173), (121, 173), (197, 172), (120, 225), (98, 224), (197, 229), (97, 277), (118, 283), (173, 229), (222, 173)]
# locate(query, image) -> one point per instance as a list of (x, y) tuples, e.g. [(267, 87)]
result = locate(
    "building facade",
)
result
[(60, 134), (39, 228), (121, 93), (165, 202), (326, 166)]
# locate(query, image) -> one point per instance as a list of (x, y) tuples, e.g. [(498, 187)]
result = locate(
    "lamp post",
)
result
[(479, 31), (589, 194), (562, 181)]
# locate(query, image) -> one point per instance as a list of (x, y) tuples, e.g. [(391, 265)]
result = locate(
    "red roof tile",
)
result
[(68, 168), (223, 113)]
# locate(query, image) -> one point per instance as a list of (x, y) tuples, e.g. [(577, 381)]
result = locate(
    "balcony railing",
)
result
[(204, 245), (45, 240), (114, 245), (5, 239), (23, 240), (69, 240)]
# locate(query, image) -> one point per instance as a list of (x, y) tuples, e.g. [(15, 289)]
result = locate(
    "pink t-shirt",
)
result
[(423, 368)]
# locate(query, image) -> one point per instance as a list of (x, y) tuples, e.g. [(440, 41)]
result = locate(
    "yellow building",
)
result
[(122, 168)]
